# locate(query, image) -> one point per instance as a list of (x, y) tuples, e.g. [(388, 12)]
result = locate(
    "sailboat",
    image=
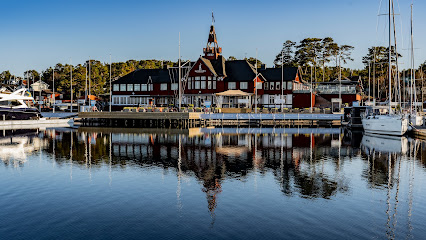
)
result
[(391, 123)]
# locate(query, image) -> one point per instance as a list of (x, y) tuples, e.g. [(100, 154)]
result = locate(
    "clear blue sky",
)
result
[(39, 34)]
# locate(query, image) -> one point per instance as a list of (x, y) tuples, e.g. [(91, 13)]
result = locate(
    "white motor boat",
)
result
[(13, 106)]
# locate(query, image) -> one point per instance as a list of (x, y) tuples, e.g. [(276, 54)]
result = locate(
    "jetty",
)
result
[(196, 119)]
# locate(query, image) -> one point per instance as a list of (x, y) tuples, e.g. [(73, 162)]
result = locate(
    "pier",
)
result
[(192, 119)]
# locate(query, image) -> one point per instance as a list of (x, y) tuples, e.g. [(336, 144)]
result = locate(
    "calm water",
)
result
[(209, 184)]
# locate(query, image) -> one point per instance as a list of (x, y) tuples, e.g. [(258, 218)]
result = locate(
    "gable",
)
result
[(201, 68)]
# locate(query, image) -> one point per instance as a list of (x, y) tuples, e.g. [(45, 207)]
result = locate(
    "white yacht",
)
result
[(13, 106)]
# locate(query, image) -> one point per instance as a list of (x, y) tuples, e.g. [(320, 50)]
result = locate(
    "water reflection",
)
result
[(307, 164)]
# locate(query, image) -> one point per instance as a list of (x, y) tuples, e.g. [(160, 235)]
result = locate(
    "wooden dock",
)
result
[(193, 119)]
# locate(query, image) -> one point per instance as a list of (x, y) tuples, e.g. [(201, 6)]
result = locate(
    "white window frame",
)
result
[(144, 87), (174, 86), (271, 86), (259, 85), (203, 85), (232, 85), (116, 87), (244, 85), (190, 83), (122, 87), (130, 87), (137, 87), (163, 87), (290, 85), (278, 86), (197, 84)]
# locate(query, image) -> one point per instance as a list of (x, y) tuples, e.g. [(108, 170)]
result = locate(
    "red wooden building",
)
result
[(208, 75)]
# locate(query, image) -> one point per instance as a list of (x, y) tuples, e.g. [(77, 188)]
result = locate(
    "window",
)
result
[(203, 84), (232, 85), (290, 85), (277, 86), (174, 86), (190, 83), (203, 78), (144, 87), (137, 87), (163, 87), (123, 100), (197, 78), (116, 87), (122, 87), (266, 86), (115, 99), (197, 84), (259, 85), (209, 84), (214, 78), (214, 84), (284, 86), (271, 99), (243, 85), (271, 86), (129, 87), (209, 78), (150, 87)]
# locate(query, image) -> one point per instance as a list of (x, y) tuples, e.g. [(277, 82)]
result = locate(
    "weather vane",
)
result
[(213, 18)]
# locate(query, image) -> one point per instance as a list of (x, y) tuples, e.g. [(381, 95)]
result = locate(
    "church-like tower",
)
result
[(212, 51)]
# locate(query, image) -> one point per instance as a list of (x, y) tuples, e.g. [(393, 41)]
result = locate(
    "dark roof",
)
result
[(275, 74), (143, 75), (239, 71), (216, 66)]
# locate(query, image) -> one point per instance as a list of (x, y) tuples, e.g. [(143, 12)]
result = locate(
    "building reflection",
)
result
[(306, 163)]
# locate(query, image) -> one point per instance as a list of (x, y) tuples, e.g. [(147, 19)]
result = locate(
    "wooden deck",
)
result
[(140, 115), (195, 119)]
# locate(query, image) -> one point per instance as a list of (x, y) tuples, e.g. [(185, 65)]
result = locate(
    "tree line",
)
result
[(98, 75), (319, 59)]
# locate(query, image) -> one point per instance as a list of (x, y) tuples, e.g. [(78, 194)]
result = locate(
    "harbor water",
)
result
[(211, 183)]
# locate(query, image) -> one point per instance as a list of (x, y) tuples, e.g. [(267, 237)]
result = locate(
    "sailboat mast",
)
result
[(390, 67), (180, 84), (412, 83)]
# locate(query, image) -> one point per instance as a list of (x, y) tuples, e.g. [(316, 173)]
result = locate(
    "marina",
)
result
[(197, 120)]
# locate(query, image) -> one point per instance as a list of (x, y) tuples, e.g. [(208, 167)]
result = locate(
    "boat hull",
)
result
[(385, 125), (19, 114)]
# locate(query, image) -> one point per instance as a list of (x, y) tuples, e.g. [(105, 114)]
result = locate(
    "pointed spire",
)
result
[(212, 51)]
